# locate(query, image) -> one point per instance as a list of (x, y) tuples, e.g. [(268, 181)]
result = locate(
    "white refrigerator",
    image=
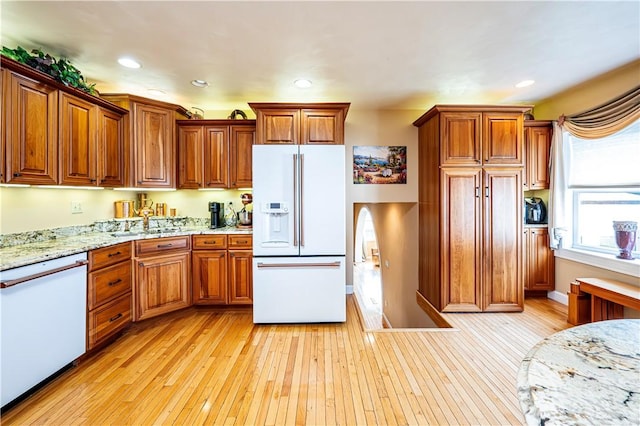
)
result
[(299, 233)]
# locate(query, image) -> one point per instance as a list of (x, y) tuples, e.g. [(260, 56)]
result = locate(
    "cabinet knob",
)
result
[(17, 174)]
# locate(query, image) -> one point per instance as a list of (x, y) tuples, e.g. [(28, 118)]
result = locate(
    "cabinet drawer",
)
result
[(209, 242), (108, 283), (162, 245), (109, 319), (240, 241), (106, 256)]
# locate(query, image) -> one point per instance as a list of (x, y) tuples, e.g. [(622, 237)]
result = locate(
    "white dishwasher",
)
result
[(43, 308)]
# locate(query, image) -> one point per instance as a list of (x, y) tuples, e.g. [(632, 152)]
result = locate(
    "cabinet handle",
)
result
[(17, 174), (112, 319), (477, 192), (92, 180), (112, 283), (114, 254), (486, 191), (241, 242), (164, 245), (211, 242), (232, 255)]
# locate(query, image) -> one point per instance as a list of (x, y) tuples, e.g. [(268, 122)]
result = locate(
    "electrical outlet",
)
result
[(76, 207), (386, 263)]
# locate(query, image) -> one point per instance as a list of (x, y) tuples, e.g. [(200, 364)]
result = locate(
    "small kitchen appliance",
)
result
[(217, 214), (534, 211), (245, 216)]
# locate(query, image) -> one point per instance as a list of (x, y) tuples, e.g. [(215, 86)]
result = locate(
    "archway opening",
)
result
[(366, 272)]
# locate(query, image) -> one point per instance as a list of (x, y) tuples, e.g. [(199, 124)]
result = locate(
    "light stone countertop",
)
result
[(39, 251), (585, 375)]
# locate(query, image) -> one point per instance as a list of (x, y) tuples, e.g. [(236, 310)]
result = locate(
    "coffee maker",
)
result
[(217, 214)]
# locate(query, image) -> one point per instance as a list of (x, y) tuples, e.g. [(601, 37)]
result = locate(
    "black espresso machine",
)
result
[(534, 211), (217, 214)]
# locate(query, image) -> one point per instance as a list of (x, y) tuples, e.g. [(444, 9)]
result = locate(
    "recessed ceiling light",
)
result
[(525, 83), (129, 63), (199, 83), (303, 83)]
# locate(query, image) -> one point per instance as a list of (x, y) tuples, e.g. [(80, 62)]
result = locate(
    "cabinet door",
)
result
[(154, 146), (163, 284), (502, 139), (241, 143), (216, 157), (461, 265), (240, 277), (538, 144), (278, 126), (540, 261), (502, 243), (190, 160), (111, 149), (322, 126), (78, 141), (209, 277), (460, 138), (32, 132)]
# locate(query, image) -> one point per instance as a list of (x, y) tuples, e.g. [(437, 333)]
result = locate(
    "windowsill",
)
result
[(601, 260)]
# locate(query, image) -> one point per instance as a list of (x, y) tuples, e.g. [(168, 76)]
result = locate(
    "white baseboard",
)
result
[(558, 297), (349, 288)]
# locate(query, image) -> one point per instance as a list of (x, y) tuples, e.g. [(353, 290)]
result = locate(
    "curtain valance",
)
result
[(606, 119)]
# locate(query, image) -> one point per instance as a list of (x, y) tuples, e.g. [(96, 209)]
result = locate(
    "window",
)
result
[(604, 181)]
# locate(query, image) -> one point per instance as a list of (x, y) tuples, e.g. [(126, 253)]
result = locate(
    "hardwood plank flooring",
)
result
[(201, 366)]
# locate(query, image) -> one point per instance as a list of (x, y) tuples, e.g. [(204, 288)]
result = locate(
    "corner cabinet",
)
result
[(470, 207), (215, 153), (537, 135), (162, 276), (151, 145), (300, 124)]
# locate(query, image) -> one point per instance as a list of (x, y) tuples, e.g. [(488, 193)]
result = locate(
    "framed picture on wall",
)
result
[(379, 164)]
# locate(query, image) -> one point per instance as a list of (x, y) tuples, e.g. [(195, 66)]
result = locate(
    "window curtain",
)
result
[(559, 174), (606, 119)]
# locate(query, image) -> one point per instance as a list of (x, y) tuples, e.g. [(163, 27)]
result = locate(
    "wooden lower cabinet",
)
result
[(162, 276), (539, 270), (108, 292), (240, 277), (222, 270)]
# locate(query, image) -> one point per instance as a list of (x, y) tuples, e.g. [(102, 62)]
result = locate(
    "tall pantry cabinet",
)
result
[(470, 207)]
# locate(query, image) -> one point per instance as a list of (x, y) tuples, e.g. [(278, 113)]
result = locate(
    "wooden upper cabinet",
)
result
[(215, 153), (460, 138), (216, 157), (278, 126), (31, 110), (241, 161), (111, 149), (313, 123), (503, 138), (537, 148), (190, 152), (150, 143), (78, 141), (322, 126), (154, 146)]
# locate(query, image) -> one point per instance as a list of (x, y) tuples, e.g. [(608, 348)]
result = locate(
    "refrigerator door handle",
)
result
[(295, 200), (299, 265), (301, 200)]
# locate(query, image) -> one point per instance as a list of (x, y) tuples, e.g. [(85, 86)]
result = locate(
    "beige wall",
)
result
[(589, 94), (396, 226), (31, 209)]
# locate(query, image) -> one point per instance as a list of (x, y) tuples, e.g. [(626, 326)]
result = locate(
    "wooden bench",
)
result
[(598, 299)]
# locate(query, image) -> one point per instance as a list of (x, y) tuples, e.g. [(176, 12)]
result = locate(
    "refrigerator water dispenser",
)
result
[(275, 215)]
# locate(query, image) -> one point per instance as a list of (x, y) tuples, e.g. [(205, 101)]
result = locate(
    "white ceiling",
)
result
[(376, 55)]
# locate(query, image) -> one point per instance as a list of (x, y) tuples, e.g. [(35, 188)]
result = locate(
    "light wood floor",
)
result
[(201, 367)]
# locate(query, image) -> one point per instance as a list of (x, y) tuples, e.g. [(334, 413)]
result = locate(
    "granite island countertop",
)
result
[(58, 246), (585, 375)]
